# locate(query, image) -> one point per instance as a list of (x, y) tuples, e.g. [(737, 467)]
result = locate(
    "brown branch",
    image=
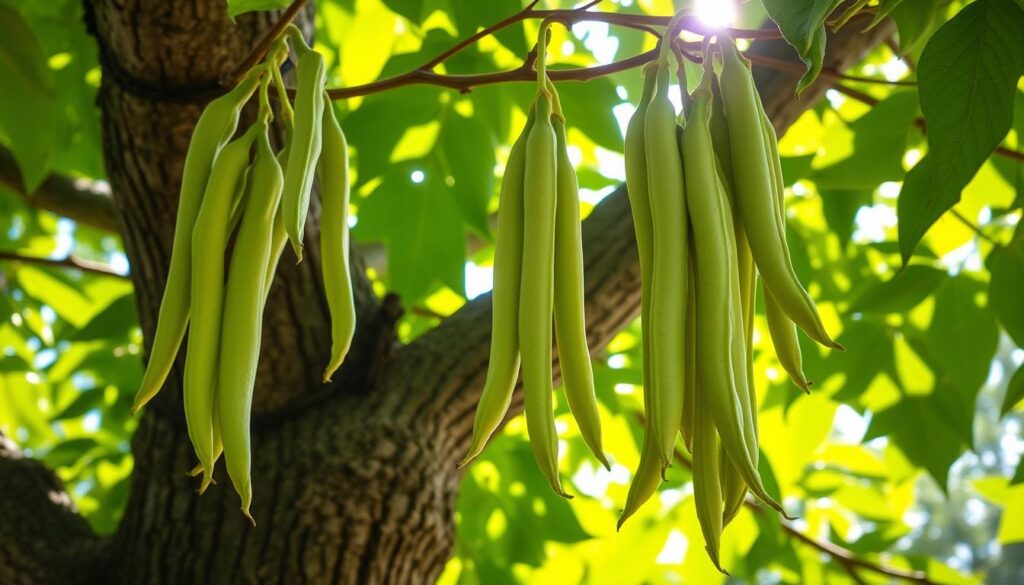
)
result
[(466, 83), (84, 201), (847, 558), (844, 557), (72, 262), (833, 80), (260, 49), (425, 74), (484, 32), (43, 538), (873, 80)]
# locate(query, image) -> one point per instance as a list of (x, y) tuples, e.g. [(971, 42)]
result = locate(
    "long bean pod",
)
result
[(503, 365), (304, 150), (536, 293), (570, 322), (215, 126), (334, 238), (243, 318), (669, 278), (754, 192), (209, 240)]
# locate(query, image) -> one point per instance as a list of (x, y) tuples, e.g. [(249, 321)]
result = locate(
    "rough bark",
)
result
[(355, 482)]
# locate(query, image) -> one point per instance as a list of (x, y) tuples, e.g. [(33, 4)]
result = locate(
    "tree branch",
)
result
[(844, 557), (43, 539), (832, 78), (71, 261), (86, 202)]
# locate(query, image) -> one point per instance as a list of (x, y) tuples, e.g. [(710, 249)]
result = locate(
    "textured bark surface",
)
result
[(355, 482)]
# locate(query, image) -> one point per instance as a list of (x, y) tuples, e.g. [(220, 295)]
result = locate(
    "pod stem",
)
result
[(671, 30), (556, 104), (684, 97), (279, 54), (543, 37), (266, 113)]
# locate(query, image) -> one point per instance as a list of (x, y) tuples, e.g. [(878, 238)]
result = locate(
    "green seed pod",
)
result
[(503, 365), (304, 151), (215, 126), (668, 276), (242, 327), (334, 239), (570, 328), (209, 240), (536, 293)]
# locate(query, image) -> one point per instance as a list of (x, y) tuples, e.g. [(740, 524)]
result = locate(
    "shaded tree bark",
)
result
[(355, 482)]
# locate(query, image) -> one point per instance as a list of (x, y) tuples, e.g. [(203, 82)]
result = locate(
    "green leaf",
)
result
[(68, 452), (934, 450), (802, 23), (879, 143), (236, 7), (904, 291), (1006, 265), (466, 154), (26, 97), (115, 321), (915, 20), (795, 168), (472, 16), (840, 209), (1018, 476), (967, 118), (421, 223), (14, 363), (869, 352), (588, 107), (1014, 392), (412, 10), (883, 10), (963, 335), (86, 401), (61, 296)]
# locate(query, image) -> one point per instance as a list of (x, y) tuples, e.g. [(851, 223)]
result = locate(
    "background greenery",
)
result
[(908, 450)]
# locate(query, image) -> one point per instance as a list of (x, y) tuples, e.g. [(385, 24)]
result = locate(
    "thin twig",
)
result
[(840, 554), (427, 312), (895, 48), (72, 262), (470, 40), (466, 83), (973, 227), (871, 100), (425, 74), (260, 49), (874, 80), (833, 80)]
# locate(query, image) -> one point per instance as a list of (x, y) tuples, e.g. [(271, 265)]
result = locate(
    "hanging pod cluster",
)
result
[(706, 193), (538, 279), (241, 182)]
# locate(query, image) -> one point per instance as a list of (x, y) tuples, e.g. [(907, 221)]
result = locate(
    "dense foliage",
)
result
[(906, 453)]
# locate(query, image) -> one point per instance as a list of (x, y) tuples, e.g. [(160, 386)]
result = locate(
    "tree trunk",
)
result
[(354, 482)]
